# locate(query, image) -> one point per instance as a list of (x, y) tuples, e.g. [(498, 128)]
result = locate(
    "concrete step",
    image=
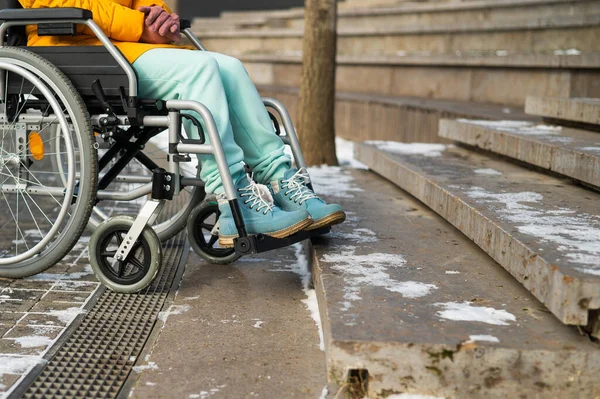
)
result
[(361, 117), (412, 306), (432, 14), (488, 79), (374, 13), (534, 35), (571, 152), (545, 231), (582, 110)]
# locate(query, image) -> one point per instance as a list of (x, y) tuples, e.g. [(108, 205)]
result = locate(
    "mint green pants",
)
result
[(222, 84)]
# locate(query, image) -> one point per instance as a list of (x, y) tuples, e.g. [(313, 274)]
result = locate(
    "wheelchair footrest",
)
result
[(257, 243)]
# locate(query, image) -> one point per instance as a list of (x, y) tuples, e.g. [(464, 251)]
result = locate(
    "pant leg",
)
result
[(177, 74), (252, 126)]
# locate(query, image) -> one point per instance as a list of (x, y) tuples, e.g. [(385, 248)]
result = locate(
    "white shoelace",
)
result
[(254, 194), (297, 185)]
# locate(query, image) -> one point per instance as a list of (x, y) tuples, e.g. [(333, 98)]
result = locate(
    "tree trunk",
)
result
[(316, 119)]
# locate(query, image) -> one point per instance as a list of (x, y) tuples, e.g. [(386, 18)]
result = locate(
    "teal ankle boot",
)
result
[(291, 193), (260, 216)]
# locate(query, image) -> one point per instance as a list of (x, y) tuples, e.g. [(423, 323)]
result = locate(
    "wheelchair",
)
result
[(79, 148)]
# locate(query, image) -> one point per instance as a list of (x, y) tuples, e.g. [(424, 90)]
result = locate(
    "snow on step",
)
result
[(389, 306), (570, 152), (586, 110), (543, 230)]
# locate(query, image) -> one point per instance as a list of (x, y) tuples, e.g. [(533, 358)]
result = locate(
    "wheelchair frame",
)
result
[(164, 184)]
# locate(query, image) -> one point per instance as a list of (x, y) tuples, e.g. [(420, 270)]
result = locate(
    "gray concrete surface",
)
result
[(37, 312), (238, 331), (498, 85), (369, 13), (543, 230), (407, 297), (362, 117), (571, 152), (585, 110)]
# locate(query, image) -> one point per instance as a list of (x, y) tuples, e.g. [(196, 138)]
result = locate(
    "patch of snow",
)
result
[(191, 298), (206, 394), (324, 393), (425, 149), (33, 341), (73, 285), (501, 53), (466, 312), (68, 315), (258, 324), (87, 271), (333, 182), (571, 51), (18, 364), (413, 396), (506, 110), (372, 270), (452, 272), (345, 154), (522, 128), (173, 309), (302, 269), (573, 233), (360, 236), (594, 149), (488, 172), (149, 366), (482, 338)]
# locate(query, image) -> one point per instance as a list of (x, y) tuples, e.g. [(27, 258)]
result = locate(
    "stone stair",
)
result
[(361, 116), (574, 110), (410, 305), (474, 78), (377, 13), (476, 51), (545, 231), (570, 152)]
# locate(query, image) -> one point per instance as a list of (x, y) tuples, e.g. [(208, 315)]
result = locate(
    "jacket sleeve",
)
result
[(118, 22), (150, 3)]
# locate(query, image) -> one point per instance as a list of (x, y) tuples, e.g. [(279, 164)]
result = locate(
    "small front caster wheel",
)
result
[(134, 273), (203, 237)]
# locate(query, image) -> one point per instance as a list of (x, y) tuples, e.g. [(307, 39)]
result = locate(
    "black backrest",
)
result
[(16, 35)]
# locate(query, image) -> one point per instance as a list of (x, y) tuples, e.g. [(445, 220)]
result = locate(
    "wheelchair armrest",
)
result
[(45, 14)]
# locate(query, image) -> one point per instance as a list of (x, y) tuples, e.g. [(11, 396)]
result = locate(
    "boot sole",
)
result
[(334, 218), (227, 241)]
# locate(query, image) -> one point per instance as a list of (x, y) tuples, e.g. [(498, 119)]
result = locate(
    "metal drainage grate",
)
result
[(97, 358)]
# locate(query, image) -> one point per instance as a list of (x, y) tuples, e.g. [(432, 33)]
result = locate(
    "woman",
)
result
[(144, 31)]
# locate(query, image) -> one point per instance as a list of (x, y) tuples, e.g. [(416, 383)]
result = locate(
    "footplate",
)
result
[(255, 244)]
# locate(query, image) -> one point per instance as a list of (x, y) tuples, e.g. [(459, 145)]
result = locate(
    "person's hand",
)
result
[(160, 26)]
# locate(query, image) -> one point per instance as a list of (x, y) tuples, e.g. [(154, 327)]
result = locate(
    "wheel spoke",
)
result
[(108, 254), (122, 268), (119, 238), (137, 263), (213, 241), (207, 226)]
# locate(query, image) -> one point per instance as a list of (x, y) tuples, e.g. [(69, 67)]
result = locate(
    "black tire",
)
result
[(72, 106), (143, 262), (199, 228), (173, 217)]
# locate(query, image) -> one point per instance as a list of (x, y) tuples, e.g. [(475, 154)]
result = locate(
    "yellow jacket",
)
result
[(119, 19)]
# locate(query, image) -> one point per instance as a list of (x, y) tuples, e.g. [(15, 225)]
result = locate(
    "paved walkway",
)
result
[(236, 331)]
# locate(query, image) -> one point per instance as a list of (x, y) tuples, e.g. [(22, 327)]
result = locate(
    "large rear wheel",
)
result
[(43, 210)]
